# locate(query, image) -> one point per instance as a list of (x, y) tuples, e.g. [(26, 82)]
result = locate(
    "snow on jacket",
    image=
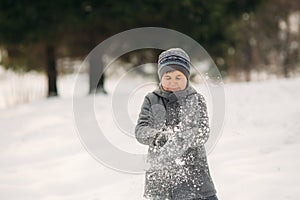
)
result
[(179, 169)]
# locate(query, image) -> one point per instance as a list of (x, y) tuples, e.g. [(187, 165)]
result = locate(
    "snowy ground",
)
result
[(256, 158)]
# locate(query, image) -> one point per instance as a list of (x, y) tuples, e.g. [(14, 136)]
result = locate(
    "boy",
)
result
[(173, 122)]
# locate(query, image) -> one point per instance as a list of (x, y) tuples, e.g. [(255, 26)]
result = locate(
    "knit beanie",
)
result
[(174, 59)]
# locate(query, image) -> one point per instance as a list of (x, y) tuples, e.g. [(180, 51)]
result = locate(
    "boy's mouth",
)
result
[(173, 89)]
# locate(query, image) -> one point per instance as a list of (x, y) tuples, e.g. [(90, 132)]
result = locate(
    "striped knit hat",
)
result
[(174, 59)]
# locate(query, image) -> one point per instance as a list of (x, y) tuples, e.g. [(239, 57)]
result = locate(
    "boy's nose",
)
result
[(173, 83)]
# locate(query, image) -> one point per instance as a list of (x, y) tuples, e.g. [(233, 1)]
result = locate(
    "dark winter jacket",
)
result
[(178, 169)]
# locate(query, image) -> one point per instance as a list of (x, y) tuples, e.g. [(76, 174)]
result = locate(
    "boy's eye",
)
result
[(178, 78)]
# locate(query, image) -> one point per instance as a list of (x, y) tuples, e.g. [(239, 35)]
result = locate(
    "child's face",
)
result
[(173, 81)]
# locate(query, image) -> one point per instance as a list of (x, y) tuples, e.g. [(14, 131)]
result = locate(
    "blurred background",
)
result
[(45, 41), (43, 45)]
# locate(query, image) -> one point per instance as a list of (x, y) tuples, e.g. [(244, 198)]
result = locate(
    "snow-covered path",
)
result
[(255, 159), (257, 156)]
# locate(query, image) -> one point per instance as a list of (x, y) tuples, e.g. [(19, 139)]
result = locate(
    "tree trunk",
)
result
[(100, 85), (51, 71), (286, 66), (248, 61), (96, 74)]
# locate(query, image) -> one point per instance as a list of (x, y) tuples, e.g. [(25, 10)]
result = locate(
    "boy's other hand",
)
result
[(160, 139)]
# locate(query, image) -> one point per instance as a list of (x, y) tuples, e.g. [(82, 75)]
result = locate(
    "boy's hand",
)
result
[(160, 139)]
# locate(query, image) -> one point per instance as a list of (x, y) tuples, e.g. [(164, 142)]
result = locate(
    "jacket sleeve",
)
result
[(195, 134), (144, 132), (202, 133)]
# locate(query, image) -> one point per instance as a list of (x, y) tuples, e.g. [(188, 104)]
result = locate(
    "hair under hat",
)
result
[(174, 59)]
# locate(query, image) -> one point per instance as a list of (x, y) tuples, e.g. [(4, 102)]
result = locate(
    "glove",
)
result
[(160, 139)]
